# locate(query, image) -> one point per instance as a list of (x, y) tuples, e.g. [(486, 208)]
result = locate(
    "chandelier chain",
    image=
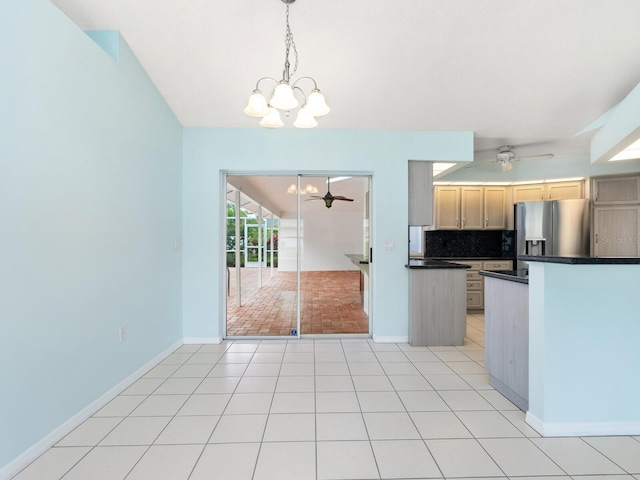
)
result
[(289, 43), (287, 95)]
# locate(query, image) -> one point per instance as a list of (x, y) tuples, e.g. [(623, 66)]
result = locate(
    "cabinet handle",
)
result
[(457, 221), (486, 222), (596, 238), (596, 196), (462, 222)]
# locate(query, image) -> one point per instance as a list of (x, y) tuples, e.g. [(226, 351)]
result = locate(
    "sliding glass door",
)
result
[(261, 258), (334, 231), (297, 251)]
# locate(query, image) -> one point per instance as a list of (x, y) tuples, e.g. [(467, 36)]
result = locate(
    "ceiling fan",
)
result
[(506, 156), (328, 198)]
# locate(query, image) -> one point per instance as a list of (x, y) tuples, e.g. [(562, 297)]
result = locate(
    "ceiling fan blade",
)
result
[(344, 199), (545, 156)]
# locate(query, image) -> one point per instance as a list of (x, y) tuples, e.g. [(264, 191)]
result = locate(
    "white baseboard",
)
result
[(381, 339), (581, 429), (202, 340), (23, 460)]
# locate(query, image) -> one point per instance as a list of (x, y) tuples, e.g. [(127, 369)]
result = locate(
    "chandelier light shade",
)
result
[(316, 104), (286, 96), (305, 118), (272, 119), (257, 106), (283, 98)]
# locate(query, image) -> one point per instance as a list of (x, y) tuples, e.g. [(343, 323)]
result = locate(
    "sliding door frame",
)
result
[(222, 294)]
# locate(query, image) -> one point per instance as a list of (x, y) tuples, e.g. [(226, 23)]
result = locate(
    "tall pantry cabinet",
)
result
[(616, 216)]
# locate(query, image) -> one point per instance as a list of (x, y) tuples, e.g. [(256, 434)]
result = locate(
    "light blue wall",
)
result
[(90, 205), (584, 330), (383, 154)]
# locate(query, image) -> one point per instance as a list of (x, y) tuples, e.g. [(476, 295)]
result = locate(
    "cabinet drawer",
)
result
[(474, 284), (498, 265), (474, 265), (473, 275), (474, 300)]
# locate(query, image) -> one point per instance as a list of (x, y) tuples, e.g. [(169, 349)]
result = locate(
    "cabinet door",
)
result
[(495, 217), (448, 208), (621, 190), (528, 193), (420, 193), (565, 190), (616, 231), (472, 201)]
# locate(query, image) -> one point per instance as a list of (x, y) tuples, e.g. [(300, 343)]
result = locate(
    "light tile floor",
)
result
[(323, 409)]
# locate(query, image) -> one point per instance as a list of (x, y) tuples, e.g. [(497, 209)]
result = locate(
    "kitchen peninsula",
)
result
[(506, 326), (437, 303), (582, 345), (362, 262)]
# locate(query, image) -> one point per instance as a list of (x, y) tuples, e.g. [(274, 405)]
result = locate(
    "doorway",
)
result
[(291, 271)]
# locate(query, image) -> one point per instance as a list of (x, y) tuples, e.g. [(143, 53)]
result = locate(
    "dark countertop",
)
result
[(582, 260), (357, 258), (519, 276), (427, 263)]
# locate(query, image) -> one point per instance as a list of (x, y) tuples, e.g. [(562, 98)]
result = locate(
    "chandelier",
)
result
[(283, 97)]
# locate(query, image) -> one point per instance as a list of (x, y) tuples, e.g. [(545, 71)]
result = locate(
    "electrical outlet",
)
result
[(389, 245), (123, 333)]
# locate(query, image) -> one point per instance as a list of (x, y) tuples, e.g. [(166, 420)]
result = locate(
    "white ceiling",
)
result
[(528, 73)]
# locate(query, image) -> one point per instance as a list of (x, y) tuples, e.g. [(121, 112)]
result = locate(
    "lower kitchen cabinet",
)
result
[(437, 310), (616, 230), (475, 282), (506, 327), (475, 300)]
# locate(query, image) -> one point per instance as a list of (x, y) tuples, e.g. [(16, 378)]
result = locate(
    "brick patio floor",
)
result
[(331, 303)]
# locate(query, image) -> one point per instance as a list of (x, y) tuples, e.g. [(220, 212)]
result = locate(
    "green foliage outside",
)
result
[(251, 240)]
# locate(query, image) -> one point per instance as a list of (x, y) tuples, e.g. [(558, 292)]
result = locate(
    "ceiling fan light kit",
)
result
[(283, 97)]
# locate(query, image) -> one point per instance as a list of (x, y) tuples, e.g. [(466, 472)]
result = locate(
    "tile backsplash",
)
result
[(470, 243)]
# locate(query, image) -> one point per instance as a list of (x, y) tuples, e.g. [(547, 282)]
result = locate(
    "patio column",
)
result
[(259, 246), (238, 256)]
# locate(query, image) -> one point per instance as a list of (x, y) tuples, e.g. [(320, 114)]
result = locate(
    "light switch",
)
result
[(389, 245)]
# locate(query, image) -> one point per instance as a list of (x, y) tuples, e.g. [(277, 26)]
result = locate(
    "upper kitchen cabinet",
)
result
[(447, 208), (420, 193), (528, 193), (470, 208), (548, 191), (564, 190), (616, 190), (495, 205)]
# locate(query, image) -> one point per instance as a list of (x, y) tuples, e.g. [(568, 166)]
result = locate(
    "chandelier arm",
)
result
[(294, 88), (265, 78), (315, 85)]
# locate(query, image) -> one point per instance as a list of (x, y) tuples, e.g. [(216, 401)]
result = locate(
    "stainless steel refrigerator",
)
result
[(554, 227)]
